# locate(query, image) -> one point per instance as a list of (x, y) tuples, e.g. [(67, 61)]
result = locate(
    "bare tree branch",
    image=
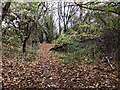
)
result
[(81, 6)]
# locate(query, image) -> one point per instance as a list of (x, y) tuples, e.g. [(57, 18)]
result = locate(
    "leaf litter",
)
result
[(48, 72)]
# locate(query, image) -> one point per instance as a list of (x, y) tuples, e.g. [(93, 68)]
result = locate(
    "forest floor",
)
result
[(48, 72)]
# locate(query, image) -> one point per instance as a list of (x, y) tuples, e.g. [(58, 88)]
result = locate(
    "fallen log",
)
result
[(62, 47)]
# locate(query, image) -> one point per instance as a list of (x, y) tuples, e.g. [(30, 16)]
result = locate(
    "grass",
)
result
[(78, 53)]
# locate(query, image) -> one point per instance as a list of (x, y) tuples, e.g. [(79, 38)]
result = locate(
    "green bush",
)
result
[(77, 52), (64, 38)]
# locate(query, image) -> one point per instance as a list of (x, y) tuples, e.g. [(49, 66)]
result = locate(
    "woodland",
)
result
[(60, 45)]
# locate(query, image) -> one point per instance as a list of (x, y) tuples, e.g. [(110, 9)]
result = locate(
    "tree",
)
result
[(59, 17), (108, 17), (47, 21), (65, 14), (18, 20), (6, 9)]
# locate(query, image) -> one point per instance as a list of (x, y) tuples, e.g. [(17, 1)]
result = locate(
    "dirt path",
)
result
[(48, 72), (52, 68), (42, 73)]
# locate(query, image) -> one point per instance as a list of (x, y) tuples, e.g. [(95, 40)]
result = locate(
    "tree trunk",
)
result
[(64, 19), (6, 8), (40, 36), (59, 13), (24, 45)]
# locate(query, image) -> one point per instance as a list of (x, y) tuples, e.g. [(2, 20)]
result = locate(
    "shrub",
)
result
[(77, 52)]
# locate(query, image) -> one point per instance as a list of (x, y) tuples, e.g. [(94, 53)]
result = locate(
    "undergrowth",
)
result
[(76, 52), (16, 52)]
